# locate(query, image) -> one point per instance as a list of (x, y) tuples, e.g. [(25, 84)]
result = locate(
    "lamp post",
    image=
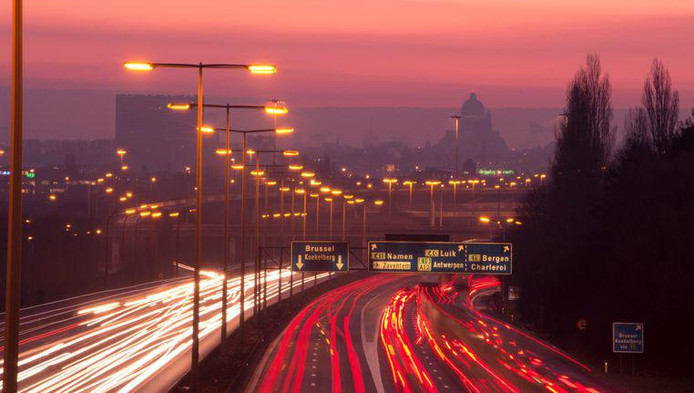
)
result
[(441, 206), (390, 183), (455, 184), (317, 197), (345, 200), (227, 162), (255, 69), (456, 119), (409, 183), (244, 148), (14, 219), (259, 173), (432, 211), (304, 194)]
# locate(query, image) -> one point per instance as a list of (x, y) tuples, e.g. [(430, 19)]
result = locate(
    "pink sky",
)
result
[(359, 52)]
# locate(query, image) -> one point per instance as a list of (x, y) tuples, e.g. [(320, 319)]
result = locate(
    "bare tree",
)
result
[(585, 141), (661, 103)]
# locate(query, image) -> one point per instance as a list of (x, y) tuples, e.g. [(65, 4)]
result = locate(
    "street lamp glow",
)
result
[(237, 167), (284, 130), (359, 200), (206, 129), (262, 69), (257, 173), (390, 181), (173, 214), (276, 110), (300, 191), (307, 174), (485, 220), (223, 152), (296, 167), (432, 182), (130, 211), (378, 202), (134, 66), (270, 183), (156, 214), (316, 182), (509, 220), (121, 152), (178, 106), (336, 192), (348, 196), (290, 153), (145, 213), (325, 190), (52, 197)]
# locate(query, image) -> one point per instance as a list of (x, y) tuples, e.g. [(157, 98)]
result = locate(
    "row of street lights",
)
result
[(254, 69)]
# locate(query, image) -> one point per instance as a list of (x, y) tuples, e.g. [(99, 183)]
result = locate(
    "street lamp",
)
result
[(409, 183), (346, 199), (456, 119), (390, 183), (455, 184), (121, 153), (254, 69), (227, 153), (432, 184)]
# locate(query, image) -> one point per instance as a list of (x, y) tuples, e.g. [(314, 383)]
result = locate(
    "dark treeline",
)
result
[(611, 236)]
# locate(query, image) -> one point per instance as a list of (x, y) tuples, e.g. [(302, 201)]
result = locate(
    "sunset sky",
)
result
[(359, 52)]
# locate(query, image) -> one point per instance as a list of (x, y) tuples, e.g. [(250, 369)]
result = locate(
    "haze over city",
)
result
[(390, 53)]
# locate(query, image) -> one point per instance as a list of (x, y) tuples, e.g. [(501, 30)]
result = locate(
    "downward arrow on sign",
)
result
[(339, 262), (299, 264)]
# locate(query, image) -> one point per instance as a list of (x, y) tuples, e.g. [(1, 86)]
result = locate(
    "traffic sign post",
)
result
[(320, 256), (440, 257), (627, 337)]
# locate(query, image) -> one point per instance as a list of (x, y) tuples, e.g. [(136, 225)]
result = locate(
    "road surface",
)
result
[(387, 333), (134, 339)]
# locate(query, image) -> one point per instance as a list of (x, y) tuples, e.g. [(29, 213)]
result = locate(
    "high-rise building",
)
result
[(155, 137)]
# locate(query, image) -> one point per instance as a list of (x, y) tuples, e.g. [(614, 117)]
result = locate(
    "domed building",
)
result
[(477, 140)]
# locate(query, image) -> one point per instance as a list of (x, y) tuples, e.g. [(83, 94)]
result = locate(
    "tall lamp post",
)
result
[(244, 133), (227, 162), (14, 225), (455, 184), (456, 119), (432, 211), (255, 69), (390, 183), (409, 183)]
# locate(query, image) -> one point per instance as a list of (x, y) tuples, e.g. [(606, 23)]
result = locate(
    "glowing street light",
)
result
[(390, 183)]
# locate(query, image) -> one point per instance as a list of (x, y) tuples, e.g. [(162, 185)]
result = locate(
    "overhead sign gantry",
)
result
[(440, 257)]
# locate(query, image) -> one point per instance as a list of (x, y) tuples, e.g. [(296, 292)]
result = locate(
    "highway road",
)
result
[(388, 333), (133, 339)]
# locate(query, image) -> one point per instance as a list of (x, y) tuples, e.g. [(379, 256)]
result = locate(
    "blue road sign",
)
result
[(320, 256), (440, 257), (627, 337)]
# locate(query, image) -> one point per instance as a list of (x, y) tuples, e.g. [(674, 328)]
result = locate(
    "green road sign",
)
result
[(320, 256), (440, 257)]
